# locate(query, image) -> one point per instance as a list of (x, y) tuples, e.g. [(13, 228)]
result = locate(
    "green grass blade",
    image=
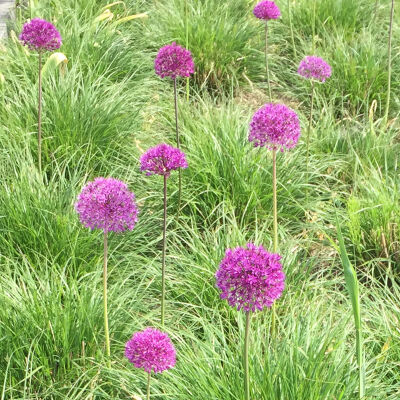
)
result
[(353, 289)]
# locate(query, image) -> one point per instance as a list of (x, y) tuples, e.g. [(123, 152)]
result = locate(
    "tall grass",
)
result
[(100, 115), (389, 79), (220, 63)]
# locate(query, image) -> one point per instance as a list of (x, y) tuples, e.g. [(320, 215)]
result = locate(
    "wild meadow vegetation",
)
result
[(103, 106)]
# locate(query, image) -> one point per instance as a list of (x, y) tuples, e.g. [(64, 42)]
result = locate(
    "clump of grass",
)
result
[(51, 309), (374, 218), (354, 46), (221, 62)]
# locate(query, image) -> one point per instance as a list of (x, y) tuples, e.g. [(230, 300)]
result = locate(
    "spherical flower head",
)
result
[(250, 278), (266, 10), (162, 159), (40, 35), (151, 350), (107, 204), (274, 126), (314, 68), (173, 61)]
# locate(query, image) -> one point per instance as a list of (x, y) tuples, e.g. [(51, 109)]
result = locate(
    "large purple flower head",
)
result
[(151, 350), (162, 159), (106, 203), (40, 35), (173, 61), (274, 126), (266, 10), (250, 278), (314, 68)]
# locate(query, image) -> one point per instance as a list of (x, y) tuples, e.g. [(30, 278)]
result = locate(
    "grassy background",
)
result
[(105, 109)]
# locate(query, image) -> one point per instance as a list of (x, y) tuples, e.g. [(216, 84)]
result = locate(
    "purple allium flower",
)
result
[(106, 203), (162, 159), (266, 10), (173, 61), (275, 126), (40, 35), (151, 350), (314, 68), (250, 278)]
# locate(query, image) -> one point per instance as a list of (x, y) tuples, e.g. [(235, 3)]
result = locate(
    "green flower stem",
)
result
[(375, 9), (313, 27), (309, 132), (275, 213), (246, 357), (148, 386), (291, 29), (187, 44), (163, 253), (107, 334), (40, 114), (385, 120), (275, 201), (178, 144), (266, 60)]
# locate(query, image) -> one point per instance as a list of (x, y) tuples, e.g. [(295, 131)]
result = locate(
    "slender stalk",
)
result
[(273, 319), (309, 129), (163, 253), (389, 66), (178, 143), (148, 386), (291, 29), (275, 213), (187, 89), (40, 114), (375, 9), (313, 27), (107, 334), (187, 43), (275, 201), (266, 60), (246, 357)]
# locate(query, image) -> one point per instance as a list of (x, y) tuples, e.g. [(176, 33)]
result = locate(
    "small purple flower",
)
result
[(106, 203), (162, 159), (314, 68), (266, 10), (40, 35), (250, 278), (274, 126), (173, 61), (151, 350)]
